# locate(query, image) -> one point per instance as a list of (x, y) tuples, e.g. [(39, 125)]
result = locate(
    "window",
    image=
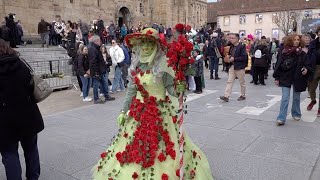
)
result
[(242, 19), (258, 18), (258, 33), (242, 33), (141, 8), (308, 14), (226, 20), (275, 33)]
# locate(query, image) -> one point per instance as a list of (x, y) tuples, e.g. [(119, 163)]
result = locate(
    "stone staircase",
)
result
[(50, 63)]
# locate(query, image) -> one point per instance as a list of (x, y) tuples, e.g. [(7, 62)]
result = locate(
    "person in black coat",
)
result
[(13, 30), (98, 70), (21, 119), (260, 64), (292, 69)]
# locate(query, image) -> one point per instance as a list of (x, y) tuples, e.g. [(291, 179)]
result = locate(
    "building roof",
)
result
[(233, 7)]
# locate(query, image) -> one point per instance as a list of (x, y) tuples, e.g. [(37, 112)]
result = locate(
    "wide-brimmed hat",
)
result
[(135, 38)]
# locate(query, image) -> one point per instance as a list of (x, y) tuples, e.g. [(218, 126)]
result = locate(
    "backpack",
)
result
[(258, 54)]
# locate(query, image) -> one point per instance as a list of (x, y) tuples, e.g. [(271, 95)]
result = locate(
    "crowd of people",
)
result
[(11, 31)]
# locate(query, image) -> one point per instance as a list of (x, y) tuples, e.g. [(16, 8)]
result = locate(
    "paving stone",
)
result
[(214, 137), (286, 150), (315, 175), (293, 130), (213, 119), (243, 166)]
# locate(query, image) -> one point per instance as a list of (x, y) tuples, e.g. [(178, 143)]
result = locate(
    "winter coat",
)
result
[(117, 55), (96, 62), (263, 61), (83, 64), (43, 27), (19, 114), (292, 75), (240, 56), (198, 66), (84, 28)]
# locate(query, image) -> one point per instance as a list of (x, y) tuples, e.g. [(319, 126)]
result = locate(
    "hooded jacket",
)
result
[(19, 114)]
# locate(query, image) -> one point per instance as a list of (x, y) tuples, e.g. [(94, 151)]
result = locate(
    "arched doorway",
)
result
[(124, 16)]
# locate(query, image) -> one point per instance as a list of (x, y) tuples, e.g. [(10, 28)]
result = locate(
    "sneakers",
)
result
[(280, 123), (311, 104), (223, 98), (217, 78), (109, 98), (87, 99), (101, 95), (318, 114), (81, 95), (296, 118), (99, 101), (241, 98)]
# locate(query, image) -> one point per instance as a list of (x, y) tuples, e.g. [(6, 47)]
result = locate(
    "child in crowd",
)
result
[(198, 67)]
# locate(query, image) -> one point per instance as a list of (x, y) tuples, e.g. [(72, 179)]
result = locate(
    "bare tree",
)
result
[(286, 21)]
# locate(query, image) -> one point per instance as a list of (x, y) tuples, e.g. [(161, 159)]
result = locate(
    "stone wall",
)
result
[(167, 12)]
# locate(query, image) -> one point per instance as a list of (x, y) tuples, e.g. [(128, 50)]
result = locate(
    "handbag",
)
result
[(41, 89)]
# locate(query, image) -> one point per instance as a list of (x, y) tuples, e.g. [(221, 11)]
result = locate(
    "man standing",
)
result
[(43, 30), (19, 33), (112, 30), (98, 70), (238, 61), (204, 51), (314, 54), (126, 62), (85, 31), (12, 30), (213, 54)]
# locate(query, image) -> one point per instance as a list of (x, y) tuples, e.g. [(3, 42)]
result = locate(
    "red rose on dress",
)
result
[(194, 153), (103, 155), (149, 32), (164, 177), (135, 175), (110, 178), (192, 174), (179, 27), (125, 135), (178, 172), (174, 119), (161, 157), (148, 71)]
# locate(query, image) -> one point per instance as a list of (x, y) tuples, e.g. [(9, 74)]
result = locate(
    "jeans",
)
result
[(125, 73), (102, 80), (45, 38), (214, 65), (85, 39), (86, 84), (295, 109), (117, 81), (11, 161)]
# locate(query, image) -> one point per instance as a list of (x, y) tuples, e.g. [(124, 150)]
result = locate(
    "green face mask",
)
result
[(148, 51)]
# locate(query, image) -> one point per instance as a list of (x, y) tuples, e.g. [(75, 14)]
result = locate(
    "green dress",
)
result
[(147, 147)]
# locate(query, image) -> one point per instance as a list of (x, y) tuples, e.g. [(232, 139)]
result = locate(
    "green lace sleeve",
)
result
[(168, 82), (131, 92)]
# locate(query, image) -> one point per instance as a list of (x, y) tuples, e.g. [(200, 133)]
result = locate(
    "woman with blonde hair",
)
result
[(292, 69)]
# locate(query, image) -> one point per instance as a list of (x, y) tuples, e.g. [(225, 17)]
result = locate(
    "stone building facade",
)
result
[(130, 12), (256, 17)]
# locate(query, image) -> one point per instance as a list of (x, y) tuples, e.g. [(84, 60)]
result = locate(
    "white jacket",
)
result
[(117, 55)]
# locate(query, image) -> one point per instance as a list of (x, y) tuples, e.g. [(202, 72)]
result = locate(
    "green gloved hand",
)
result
[(181, 87), (121, 119)]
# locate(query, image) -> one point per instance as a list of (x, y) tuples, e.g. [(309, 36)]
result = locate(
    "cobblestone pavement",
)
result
[(240, 139)]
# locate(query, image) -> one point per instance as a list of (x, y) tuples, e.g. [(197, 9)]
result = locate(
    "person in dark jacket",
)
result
[(198, 67), (98, 70), (43, 30), (83, 72), (292, 69), (238, 60), (314, 56), (20, 118), (213, 54), (13, 38), (260, 63)]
